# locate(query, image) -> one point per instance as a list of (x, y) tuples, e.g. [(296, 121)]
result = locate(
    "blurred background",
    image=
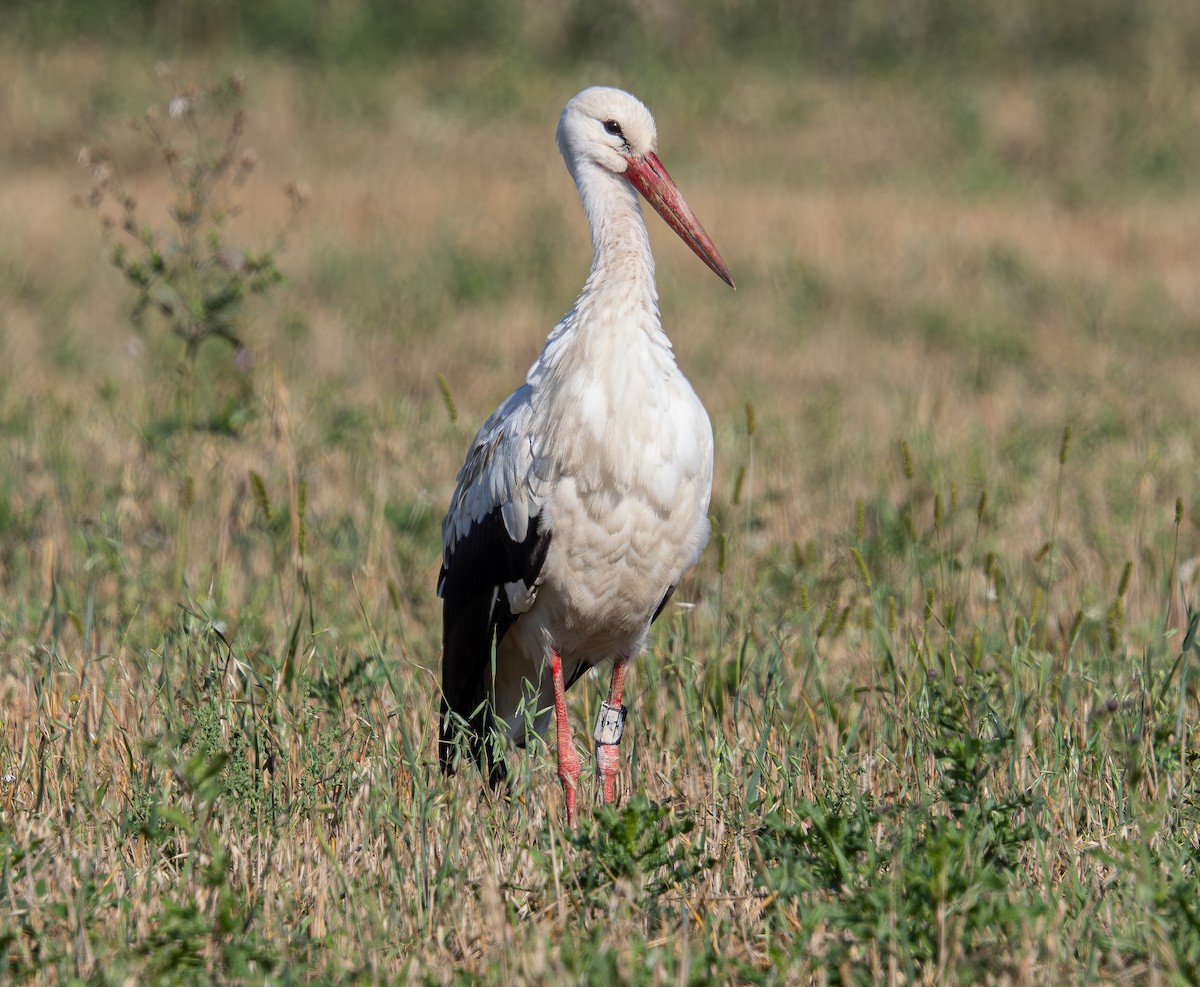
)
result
[(990, 37)]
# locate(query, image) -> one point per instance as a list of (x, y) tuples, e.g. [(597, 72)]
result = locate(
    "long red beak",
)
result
[(649, 177)]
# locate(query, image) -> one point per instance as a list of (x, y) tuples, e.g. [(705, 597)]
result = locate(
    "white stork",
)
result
[(584, 497)]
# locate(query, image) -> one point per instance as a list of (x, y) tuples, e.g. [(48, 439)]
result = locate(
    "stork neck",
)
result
[(622, 262)]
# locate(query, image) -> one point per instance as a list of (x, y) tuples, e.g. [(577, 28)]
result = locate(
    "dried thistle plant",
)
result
[(187, 271)]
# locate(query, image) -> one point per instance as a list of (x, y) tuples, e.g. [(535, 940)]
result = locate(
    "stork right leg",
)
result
[(610, 724), (568, 756)]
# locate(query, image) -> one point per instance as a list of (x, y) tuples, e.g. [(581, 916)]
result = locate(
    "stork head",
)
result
[(611, 130)]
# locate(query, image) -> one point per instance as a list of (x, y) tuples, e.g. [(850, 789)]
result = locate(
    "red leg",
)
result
[(568, 757), (609, 726)]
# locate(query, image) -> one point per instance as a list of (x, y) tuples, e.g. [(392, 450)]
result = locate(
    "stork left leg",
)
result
[(568, 757), (610, 724)]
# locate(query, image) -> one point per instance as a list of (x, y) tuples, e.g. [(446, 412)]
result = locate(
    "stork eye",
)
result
[(614, 128)]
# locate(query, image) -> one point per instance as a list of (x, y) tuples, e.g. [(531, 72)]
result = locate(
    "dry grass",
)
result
[(187, 800)]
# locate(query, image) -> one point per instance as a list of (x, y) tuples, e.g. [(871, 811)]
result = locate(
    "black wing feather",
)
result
[(475, 617), (663, 603)]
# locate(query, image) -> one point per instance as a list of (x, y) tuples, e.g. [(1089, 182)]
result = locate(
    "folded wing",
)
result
[(494, 544)]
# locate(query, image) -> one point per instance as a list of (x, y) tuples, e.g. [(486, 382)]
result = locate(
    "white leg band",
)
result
[(610, 724)]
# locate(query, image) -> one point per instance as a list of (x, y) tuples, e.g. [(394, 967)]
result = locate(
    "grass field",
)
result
[(928, 712)]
